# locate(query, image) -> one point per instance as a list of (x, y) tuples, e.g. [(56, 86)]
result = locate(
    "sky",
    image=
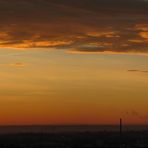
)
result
[(73, 62)]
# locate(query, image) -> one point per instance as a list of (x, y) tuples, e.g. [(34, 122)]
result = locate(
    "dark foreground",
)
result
[(75, 140)]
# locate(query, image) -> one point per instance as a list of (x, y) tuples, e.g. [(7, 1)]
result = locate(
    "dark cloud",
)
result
[(119, 26), (134, 70)]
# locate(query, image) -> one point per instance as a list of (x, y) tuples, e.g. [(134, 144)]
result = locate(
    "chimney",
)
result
[(120, 126)]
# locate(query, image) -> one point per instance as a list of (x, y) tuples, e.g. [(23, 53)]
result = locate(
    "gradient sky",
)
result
[(73, 62)]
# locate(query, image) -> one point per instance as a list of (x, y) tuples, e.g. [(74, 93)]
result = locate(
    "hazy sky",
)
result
[(73, 62)]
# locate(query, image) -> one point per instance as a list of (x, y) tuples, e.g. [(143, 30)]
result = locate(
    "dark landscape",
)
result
[(87, 139)]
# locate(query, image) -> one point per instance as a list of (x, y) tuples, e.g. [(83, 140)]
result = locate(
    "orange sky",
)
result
[(66, 63), (52, 87)]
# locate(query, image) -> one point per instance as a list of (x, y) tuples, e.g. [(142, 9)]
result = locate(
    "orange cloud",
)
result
[(144, 35), (70, 25), (17, 64)]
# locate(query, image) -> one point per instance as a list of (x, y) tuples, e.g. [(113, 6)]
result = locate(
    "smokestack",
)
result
[(120, 136), (120, 126)]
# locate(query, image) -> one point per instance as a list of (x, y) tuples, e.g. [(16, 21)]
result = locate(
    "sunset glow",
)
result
[(68, 63)]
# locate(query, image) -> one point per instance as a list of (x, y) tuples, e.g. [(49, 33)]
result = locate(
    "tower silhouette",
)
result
[(120, 126)]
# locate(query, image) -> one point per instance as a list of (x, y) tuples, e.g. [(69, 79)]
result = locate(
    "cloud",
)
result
[(101, 26), (17, 65), (141, 71)]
